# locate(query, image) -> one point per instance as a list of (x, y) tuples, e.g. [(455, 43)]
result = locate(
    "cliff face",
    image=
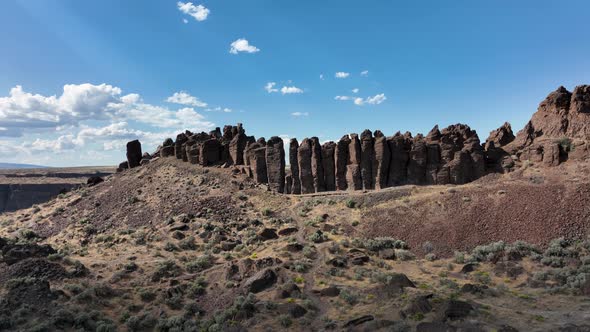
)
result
[(20, 196)]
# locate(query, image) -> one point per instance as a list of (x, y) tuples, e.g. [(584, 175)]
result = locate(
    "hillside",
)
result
[(168, 244)]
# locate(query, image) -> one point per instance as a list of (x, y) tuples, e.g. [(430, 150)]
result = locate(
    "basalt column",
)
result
[(237, 145), (257, 159), (179, 149), (317, 169), (133, 153), (304, 161), (418, 160), (210, 152), (367, 159), (382, 160), (341, 162), (353, 169), (433, 158), (275, 164), (294, 164), (167, 148), (328, 150)]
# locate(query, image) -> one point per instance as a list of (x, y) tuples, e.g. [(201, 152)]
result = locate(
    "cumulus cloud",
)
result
[(242, 45), (365, 73), (199, 12), (270, 87), (355, 90), (342, 98), (290, 90), (299, 114), (341, 74), (183, 98)]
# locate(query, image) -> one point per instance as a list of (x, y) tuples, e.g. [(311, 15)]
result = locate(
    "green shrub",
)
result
[(350, 203), (199, 264)]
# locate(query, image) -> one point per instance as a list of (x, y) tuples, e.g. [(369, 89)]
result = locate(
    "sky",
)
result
[(78, 79)]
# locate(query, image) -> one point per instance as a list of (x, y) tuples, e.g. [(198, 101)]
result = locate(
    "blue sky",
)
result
[(121, 62)]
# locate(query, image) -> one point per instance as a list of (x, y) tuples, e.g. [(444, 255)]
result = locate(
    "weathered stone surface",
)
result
[(501, 136), (237, 145), (304, 161), (288, 184), (294, 164), (418, 161), (178, 146), (260, 281), (341, 157), (133, 153), (328, 163), (382, 160), (367, 159), (193, 152), (257, 159), (317, 169), (551, 154), (353, 169), (209, 152), (399, 146), (275, 164)]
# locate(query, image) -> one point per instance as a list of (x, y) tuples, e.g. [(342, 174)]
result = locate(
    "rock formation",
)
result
[(558, 131)]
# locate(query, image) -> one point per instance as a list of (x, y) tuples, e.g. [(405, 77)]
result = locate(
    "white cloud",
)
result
[(184, 20), (359, 101), (183, 98), (298, 114), (375, 100), (322, 77), (290, 90), (341, 74), (242, 45), (219, 109), (355, 90), (342, 98), (198, 12), (365, 73), (270, 87)]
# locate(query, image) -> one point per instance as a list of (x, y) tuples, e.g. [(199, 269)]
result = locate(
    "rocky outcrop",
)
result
[(133, 153), (382, 160), (275, 164), (328, 164), (304, 160), (367, 160), (341, 156), (237, 145), (353, 168), (295, 187), (317, 168)]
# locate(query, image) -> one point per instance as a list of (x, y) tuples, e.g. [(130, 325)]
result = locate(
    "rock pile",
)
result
[(559, 130)]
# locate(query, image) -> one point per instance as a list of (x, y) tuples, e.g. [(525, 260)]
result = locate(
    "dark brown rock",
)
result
[(304, 162), (418, 161), (382, 160), (260, 281), (341, 161), (133, 153), (288, 184), (294, 165), (317, 168), (328, 163), (257, 160), (237, 145), (209, 152), (501, 136), (275, 164), (367, 160), (268, 234), (179, 150), (399, 147), (353, 169)]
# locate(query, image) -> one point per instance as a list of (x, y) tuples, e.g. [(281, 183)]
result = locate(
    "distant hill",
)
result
[(13, 166)]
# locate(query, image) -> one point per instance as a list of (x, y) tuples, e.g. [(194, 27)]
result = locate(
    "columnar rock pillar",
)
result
[(317, 169), (328, 161), (400, 154), (275, 163), (209, 152), (304, 161), (179, 146), (167, 148), (353, 169), (382, 160), (367, 159), (133, 153), (418, 159), (294, 164), (341, 162), (237, 145), (257, 158)]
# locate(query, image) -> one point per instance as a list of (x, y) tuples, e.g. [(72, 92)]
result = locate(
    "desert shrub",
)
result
[(565, 143), (349, 296), (243, 307), (482, 277), (430, 257), (380, 243), (309, 252), (199, 264), (318, 237), (142, 322), (285, 321), (404, 255), (487, 252), (198, 287), (130, 267), (350, 203), (27, 234), (170, 247), (147, 295), (166, 269), (188, 243), (266, 212), (428, 247)]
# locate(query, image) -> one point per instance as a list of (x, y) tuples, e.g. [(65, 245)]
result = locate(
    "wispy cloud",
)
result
[(365, 73), (300, 114), (199, 12), (355, 90), (270, 87), (290, 90), (342, 98), (242, 45), (374, 100)]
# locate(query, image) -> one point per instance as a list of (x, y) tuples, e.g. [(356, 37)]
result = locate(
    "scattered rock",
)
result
[(260, 281)]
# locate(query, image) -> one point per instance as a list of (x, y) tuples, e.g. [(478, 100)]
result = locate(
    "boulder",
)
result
[(341, 161), (209, 152), (179, 149), (418, 305), (94, 180), (294, 165), (551, 154), (275, 164), (455, 309), (292, 309), (328, 164), (260, 281), (304, 161), (134, 153)]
